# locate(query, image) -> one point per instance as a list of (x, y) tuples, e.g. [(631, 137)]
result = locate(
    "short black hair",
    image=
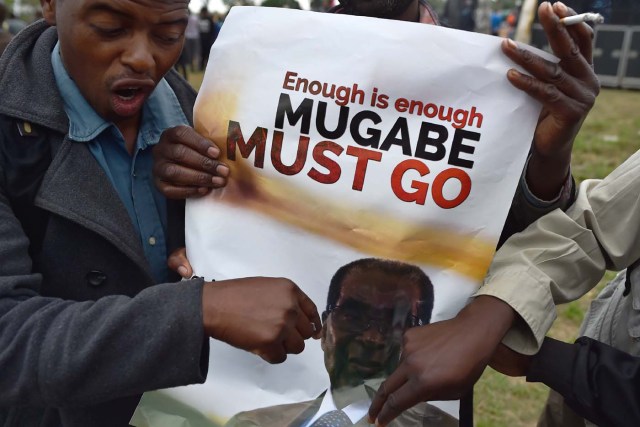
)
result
[(396, 268)]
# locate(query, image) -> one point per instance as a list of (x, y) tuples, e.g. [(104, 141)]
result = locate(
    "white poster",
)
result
[(378, 155)]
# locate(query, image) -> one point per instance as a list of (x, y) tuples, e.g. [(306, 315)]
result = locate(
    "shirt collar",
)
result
[(355, 411), (161, 110)]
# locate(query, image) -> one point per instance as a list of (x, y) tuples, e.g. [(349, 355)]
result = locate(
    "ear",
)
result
[(49, 11), (323, 336)]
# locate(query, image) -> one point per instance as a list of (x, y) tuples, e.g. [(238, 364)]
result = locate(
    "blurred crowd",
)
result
[(202, 31), (204, 26), (9, 26)]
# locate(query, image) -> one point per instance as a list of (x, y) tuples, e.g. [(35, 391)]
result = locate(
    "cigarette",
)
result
[(596, 18)]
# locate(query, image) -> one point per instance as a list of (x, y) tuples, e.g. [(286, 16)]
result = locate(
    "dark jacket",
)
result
[(84, 330), (597, 381)]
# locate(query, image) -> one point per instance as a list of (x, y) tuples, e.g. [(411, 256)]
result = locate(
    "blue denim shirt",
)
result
[(130, 174)]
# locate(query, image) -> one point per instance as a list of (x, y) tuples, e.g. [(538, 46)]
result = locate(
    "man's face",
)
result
[(117, 51), (362, 336), (389, 9)]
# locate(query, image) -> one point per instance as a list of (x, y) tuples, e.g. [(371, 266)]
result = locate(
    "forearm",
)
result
[(546, 176), (492, 314), (62, 353), (57, 352), (597, 381)]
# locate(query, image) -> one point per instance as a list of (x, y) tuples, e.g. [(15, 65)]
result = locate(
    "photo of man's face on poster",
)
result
[(371, 302)]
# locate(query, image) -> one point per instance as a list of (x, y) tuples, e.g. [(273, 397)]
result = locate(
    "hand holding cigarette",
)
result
[(567, 90), (596, 18)]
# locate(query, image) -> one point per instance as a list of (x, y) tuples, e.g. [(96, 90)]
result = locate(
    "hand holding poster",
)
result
[(373, 164)]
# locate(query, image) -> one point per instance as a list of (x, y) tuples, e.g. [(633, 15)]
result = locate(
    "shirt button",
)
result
[(96, 278), (152, 241)]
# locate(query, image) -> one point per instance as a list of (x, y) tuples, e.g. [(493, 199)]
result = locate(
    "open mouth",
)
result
[(366, 366), (128, 93)]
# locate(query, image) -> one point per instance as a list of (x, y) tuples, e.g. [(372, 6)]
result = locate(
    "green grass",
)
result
[(609, 135)]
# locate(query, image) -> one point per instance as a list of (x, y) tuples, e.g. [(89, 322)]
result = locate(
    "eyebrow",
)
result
[(106, 7)]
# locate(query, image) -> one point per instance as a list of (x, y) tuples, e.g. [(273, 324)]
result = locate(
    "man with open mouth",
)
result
[(89, 316)]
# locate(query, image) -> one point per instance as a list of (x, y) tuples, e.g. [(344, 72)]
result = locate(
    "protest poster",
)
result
[(352, 141)]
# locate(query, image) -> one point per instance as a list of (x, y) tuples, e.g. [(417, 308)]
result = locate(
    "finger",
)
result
[(273, 354), (311, 316), (397, 402), (568, 109), (562, 44), (396, 380), (294, 343), (582, 33), (545, 71), (178, 262), (185, 135), (182, 192), (178, 175), (186, 156), (304, 327)]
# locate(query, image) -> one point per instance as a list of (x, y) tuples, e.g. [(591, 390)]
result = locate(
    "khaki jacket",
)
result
[(562, 256)]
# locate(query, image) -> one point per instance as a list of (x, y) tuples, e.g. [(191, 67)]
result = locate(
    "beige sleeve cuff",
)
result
[(533, 303)]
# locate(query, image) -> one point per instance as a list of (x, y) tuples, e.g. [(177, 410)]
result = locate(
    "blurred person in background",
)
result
[(496, 21), (192, 41), (460, 14), (218, 20), (206, 30), (5, 35), (16, 24)]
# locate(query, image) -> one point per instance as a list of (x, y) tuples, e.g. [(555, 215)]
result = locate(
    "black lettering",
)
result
[(399, 127), (374, 134), (424, 140), (458, 147), (321, 119), (257, 142), (303, 113)]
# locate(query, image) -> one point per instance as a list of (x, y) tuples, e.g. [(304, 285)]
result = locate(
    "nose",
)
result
[(138, 54), (373, 335)]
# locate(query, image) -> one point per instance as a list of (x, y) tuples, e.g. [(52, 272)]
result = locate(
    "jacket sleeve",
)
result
[(597, 381), (526, 208), (562, 256), (56, 352)]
